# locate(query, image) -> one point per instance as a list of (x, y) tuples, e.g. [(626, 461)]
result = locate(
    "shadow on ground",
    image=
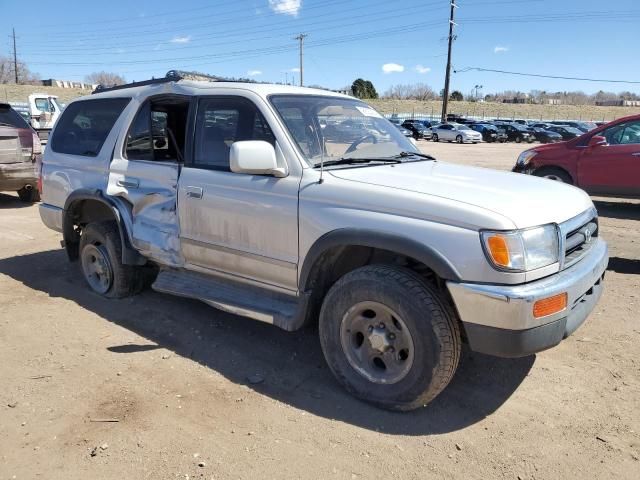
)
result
[(291, 364), (624, 265), (11, 201), (623, 210)]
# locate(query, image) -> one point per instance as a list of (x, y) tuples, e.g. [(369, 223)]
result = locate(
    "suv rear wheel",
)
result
[(389, 337), (101, 262)]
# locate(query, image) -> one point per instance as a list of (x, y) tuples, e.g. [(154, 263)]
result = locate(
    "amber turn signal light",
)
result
[(499, 250), (549, 306)]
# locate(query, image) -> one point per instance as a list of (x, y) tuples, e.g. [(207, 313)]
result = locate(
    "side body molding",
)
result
[(123, 218), (377, 239)]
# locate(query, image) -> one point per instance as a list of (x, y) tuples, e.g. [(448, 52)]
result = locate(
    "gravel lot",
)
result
[(160, 387)]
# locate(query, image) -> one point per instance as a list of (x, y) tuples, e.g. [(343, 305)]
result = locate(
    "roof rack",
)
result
[(171, 76)]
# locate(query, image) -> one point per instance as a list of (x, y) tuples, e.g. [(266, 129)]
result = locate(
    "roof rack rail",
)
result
[(171, 76)]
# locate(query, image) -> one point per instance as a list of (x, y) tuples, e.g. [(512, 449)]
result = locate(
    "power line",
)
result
[(479, 69)]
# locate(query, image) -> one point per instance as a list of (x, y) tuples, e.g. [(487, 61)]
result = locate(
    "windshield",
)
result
[(463, 127), (339, 127)]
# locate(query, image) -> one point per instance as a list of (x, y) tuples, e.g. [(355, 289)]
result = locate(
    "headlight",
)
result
[(524, 157), (522, 250)]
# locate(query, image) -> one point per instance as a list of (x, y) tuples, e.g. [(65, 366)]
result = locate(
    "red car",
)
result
[(603, 161), (19, 149)]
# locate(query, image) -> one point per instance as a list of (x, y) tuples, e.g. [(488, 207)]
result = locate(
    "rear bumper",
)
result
[(14, 176), (498, 319), (51, 216)]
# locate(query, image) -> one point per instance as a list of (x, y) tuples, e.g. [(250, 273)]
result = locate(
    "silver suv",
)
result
[(292, 206)]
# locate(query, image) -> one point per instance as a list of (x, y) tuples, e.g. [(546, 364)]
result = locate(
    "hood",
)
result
[(525, 200)]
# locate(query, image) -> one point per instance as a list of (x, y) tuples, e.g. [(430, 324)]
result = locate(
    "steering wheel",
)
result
[(355, 144)]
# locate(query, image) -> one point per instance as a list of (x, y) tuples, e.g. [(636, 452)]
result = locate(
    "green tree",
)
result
[(363, 89), (456, 96)]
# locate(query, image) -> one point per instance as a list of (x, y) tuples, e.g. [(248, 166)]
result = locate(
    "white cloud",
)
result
[(286, 7), (421, 69), (500, 49), (392, 67), (253, 73), (185, 39)]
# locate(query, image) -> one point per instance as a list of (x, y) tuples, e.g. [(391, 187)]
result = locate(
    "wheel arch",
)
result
[(556, 167), (86, 205)]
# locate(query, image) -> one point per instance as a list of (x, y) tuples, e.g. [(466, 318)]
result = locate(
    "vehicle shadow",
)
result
[(622, 210), (11, 201), (290, 366), (624, 265)]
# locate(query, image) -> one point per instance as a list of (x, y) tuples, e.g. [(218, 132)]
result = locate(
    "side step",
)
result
[(257, 303)]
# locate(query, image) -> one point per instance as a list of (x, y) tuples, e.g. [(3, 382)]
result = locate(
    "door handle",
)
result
[(194, 192), (131, 183), (636, 154)]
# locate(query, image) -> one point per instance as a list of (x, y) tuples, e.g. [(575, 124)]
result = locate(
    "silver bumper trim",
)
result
[(51, 216), (511, 306)]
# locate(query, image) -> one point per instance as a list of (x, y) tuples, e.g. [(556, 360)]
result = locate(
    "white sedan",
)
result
[(455, 132)]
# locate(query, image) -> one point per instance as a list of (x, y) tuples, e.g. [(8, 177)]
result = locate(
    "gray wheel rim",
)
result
[(97, 268), (459, 139), (556, 178), (377, 342)]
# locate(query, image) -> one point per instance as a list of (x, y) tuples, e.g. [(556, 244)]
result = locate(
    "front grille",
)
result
[(578, 235)]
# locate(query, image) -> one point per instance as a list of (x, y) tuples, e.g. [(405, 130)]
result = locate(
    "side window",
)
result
[(158, 131), (85, 125), (623, 134), (43, 104), (221, 122)]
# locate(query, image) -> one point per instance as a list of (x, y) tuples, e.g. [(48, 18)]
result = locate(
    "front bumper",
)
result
[(498, 319), (14, 176)]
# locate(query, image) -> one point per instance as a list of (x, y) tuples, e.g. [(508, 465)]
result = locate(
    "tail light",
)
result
[(37, 146), (36, 157)]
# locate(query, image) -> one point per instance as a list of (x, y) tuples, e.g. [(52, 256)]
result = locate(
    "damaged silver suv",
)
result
[(292, 205)]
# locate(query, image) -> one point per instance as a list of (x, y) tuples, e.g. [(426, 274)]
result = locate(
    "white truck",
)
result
[(41, 111)]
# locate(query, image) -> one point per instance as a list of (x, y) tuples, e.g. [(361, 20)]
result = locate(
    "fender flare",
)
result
[(130, 255), (377, 239)]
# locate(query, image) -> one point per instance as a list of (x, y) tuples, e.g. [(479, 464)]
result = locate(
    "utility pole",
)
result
[(445, 97), (15, 56), (477, 87), (301, 38)]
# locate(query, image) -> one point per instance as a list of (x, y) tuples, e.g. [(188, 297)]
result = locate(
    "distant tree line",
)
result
[(7, 72), (566, 98)]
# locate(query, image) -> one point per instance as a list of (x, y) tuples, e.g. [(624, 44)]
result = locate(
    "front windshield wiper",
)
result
[(414, 154), (351, 161)]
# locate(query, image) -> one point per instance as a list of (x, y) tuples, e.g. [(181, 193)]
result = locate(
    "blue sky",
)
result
[(387, 42)]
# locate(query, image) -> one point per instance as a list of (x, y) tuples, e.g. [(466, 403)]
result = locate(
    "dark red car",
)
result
[(604, 161), (19, 149)]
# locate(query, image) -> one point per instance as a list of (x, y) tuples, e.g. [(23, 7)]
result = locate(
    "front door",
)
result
[(144, 175), (613, 169), (237, 224)]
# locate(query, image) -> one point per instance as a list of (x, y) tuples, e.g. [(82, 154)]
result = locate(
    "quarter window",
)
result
[(85, 125), (623, 134)]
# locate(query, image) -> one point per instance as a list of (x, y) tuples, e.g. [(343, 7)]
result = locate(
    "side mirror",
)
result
[(597, 141), (254, 157)]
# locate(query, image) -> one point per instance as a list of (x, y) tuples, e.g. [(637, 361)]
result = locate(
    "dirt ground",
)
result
[(154, 386)]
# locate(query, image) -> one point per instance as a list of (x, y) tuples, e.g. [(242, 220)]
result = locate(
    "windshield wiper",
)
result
[(414, 154), (351, 161)]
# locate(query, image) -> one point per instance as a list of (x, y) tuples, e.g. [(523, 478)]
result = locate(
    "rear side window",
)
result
[(10, 118), (85, 125)]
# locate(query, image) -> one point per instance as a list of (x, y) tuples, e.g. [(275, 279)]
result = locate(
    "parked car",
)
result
[(19, 148), (455, 132), (566, 132), (392, 253), (489, 132), (604, 161), (582, 126), (544, 135), (517, 133), (405, 131), (418, 129), (41, 111)]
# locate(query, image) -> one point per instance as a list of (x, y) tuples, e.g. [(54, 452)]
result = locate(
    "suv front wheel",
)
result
[(101, 261), (389, 337)]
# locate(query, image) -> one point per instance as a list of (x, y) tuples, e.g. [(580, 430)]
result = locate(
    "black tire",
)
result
[(554, 173), (429, 319), (434, 137), (459, 139), (518, 139), (102, 240), (29, 195)]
